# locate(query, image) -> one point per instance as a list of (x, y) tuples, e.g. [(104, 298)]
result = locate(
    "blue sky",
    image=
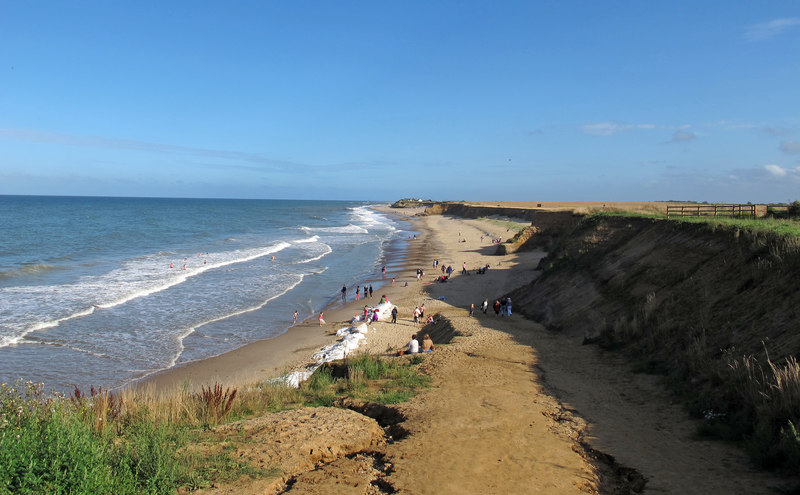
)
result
[(377, 100)]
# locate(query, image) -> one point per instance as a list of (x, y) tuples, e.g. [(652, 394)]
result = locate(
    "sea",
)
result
[(101, 291)]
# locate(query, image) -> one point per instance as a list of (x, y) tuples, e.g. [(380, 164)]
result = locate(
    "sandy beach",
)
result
[(514, 408)]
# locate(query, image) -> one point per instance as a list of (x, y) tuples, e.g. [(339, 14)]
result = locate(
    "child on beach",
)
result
[(321, 319), (295, 318)]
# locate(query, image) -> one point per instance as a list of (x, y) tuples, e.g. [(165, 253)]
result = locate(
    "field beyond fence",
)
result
[(739, 211)]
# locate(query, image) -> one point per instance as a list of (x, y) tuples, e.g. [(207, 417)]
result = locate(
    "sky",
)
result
[(380, 100)]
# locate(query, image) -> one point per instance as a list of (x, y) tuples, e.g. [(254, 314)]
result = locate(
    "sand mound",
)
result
[(294, 442)]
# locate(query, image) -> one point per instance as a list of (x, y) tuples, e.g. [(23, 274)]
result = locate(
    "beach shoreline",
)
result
[(293, 349)]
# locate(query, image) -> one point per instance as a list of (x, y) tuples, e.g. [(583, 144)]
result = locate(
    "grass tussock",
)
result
[(770, 402), (135, 442)]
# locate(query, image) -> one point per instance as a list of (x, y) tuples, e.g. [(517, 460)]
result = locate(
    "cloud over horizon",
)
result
[(770, 29), (682, 137), (611, 128), (790, 147)]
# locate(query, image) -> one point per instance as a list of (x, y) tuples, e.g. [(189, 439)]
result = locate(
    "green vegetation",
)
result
[(787, 225), (514, 226), (136, 443)]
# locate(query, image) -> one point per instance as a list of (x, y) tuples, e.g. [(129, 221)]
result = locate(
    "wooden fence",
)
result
[(712, 211)]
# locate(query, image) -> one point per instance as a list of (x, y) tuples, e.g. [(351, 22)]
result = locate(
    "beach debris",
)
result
[(351, 338)]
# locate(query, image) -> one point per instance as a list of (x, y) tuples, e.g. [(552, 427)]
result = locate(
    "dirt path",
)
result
[(486, 427)]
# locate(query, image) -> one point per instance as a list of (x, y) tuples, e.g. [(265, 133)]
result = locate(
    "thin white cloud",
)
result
[(37, 136), (612, 128), (790, 147), (682, 137), (775, 27), (776, 170), (778, 131)]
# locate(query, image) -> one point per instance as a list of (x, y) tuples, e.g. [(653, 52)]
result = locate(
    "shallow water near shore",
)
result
[(103, 291)]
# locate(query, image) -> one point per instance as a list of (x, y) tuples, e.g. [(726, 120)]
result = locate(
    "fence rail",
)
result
[(712, 211)]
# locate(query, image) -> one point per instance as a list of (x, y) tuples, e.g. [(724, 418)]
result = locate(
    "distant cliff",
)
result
[(546, 226)]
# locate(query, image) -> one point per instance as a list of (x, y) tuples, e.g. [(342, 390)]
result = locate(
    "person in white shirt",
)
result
[(413, 346)]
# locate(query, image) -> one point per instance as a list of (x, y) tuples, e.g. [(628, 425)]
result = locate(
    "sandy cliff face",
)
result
[(702, 305), (619, 280)]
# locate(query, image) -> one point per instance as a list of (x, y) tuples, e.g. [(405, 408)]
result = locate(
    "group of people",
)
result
[(367, 291), (419, 314), (413, 346), (501, 306)]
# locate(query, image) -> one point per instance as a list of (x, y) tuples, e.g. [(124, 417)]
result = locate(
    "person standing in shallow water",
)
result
[(370, 291), (344, 293)]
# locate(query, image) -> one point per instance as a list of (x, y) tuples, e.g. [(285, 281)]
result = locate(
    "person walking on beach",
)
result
[(358, 291), (422, 311), (471, 309), (485, 305), (344, 293), (394, 315), (416, 316), (370, 291), (321, 319), (295, 318), (503, 304), (496, 307), (464, 268), (508, 306)]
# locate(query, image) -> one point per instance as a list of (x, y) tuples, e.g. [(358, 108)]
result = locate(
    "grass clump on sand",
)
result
[(365, 377), (133, 442)]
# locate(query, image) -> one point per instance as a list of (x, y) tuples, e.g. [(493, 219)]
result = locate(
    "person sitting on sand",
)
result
[(411, 348), (427, 343), (413, 345)]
